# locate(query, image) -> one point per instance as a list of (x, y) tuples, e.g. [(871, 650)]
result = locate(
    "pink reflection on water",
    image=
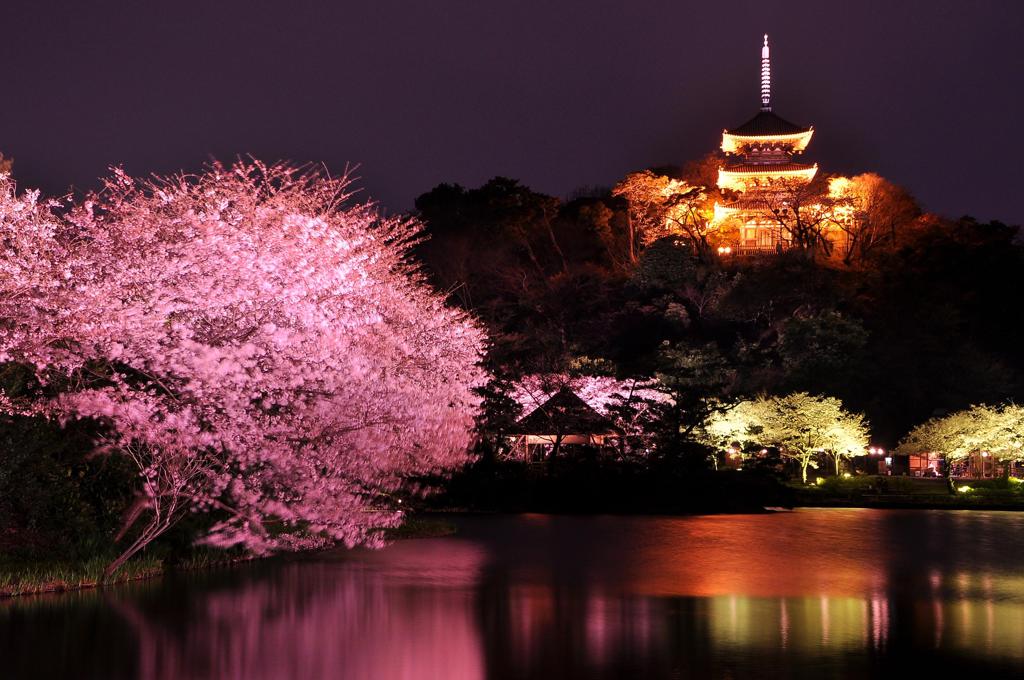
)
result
[(616, 627), (455, 608), (328, 620), (601, 612), (879, 621)]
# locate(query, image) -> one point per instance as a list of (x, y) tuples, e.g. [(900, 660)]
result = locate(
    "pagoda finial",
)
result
[(766, 77)]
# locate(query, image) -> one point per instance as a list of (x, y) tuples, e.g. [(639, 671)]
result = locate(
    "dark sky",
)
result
[(558, 94)]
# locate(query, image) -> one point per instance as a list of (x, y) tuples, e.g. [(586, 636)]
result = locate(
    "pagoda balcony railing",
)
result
[(756, 249)]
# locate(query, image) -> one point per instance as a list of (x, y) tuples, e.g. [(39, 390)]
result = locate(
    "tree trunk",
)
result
[(151, 532), (113, 567), (803, 469), (533, 258), (554, 244), (554, 450), (145, 538), (631, 235)]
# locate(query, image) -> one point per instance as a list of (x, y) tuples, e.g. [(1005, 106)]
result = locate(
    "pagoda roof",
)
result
[(736, 176), (767, 168), (765, 124)]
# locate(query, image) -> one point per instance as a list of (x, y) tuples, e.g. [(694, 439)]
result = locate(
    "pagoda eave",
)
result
[(739, 178), (733, 143)]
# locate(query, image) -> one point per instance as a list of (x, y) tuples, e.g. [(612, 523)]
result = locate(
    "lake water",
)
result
[(810, 594)]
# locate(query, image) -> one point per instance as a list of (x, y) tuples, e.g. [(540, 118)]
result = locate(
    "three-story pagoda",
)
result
[(763, 159)]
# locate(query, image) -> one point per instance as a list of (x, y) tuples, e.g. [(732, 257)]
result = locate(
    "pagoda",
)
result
[(762, 160)]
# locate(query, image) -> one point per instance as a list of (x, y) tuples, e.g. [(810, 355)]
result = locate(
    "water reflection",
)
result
[(839, 593), (363, 620)]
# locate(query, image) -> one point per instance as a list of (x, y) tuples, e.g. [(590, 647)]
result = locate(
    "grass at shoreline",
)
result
[(37, 575), (34, 576), (30, 577), (913, 503), (909, 492)]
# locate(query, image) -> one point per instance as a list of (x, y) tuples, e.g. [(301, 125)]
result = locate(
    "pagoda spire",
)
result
[(766, 77)]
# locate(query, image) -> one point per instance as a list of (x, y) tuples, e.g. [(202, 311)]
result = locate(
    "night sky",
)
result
[(557, 94)]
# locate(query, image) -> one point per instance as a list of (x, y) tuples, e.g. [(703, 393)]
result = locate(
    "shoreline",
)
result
[(429, 524), (913, 505), (65, 581), (142, 571)]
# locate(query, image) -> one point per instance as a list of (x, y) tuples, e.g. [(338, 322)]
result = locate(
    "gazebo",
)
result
[(564, 420)]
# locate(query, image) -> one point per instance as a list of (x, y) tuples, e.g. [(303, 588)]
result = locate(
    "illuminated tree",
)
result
[(689, 215), (804, 212), (870, 211), (998, 430), (660, 206), (801, 426), (643, 194), (256, 345)]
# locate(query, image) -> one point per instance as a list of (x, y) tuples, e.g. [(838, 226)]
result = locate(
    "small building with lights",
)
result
[(563, 423)]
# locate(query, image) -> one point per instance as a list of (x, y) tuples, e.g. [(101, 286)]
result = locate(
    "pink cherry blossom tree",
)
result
[(259, 345)]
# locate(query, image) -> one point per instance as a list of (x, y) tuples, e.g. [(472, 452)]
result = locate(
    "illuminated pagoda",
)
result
[(761, 161)]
